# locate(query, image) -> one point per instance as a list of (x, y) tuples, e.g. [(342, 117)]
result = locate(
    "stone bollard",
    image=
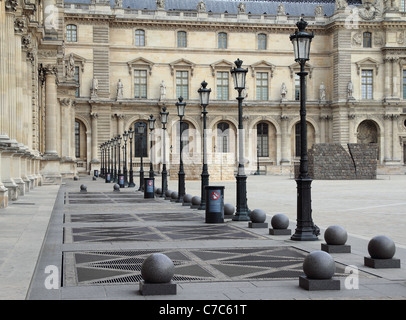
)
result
[(168, 194), (94, 178), (229, 210), (83, 188), (174, 196), (280, 224), (258, 218), (76, 178), (319, 268), (196, 200), (381, 249), (157, 272), (336, 237), (187, 199), (116, 187)]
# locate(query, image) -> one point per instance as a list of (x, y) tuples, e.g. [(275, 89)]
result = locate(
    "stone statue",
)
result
[(368, 11), (70, 70), (350, 89), (241, 7), (160, 4), (284, 91), (322, 92), (281, 10), (162, 90), (94, 88), (318, 11), (118, 3), (120, 88), (341, 4), (201, 6)]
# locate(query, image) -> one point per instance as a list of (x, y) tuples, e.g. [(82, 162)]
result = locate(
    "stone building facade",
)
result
[(76, 73)]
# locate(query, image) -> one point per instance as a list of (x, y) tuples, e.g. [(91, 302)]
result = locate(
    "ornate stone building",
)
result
[(76, 73)]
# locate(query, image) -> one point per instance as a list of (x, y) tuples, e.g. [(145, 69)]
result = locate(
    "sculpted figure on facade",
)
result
[(322, 92), (162, 88), (120, 88), (281, 10), (318, 11), (201, 6), (341, 4), (284, 91), (160, 4), (70, 70), (94, 88), (350, 89), (241, 7)]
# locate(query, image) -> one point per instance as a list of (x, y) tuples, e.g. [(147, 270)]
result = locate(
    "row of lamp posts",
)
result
[(305, 230)]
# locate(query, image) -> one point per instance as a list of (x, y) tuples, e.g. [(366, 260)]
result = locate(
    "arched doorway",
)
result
[(368, 132), (80, 146), (296, 138)]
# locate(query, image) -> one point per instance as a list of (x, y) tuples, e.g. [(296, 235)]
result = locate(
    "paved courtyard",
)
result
[(93, 244)]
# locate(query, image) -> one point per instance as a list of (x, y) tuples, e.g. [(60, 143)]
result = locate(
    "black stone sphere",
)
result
[(319, 265), (335, 235), (381, 247), (280, 221), (157, 268)]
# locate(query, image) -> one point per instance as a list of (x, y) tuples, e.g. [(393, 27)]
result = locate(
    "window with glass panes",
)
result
[(262, 41), (140, 141), (222, 40), (71, 33), (297, 87), (182, 39), (262, 140), (77, 139), (366, 84), (222, 85), (367, 39), (403, 5), (140, 38), (404, 84), (223, 137), (140, 84), (182, 84), (262, 85), (76, 77)]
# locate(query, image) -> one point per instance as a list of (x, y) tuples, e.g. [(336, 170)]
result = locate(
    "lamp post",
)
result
[(125, 138), (164, 120), (181, 174), (119, 164), (204, 95), (305, 228), (141, 129), (131, 136), (151, 126), (241, 214), (111, 158), (114, 141), (102, 161), (257, 173)]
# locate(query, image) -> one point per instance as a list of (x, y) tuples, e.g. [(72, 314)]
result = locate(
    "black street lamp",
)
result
[(111, 157), (204, 95), (141, 130), (305, 228), (151, 126), (102, 161), (131, 136), (241, 214), (114, 141), (125, 138), (257, 173), (164, 120), (118, 138), (181, 106)]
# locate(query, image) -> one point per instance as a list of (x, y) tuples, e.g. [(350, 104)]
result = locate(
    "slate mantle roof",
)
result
[(292, 7)]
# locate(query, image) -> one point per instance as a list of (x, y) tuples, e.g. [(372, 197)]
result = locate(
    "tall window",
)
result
[(182, 43), (404, 84), (366, 84), (77, 80), (140, 38), (140, 84), (262, 41), (262, 140), (223, 137), (222, 85), (297, 87), (403, 5), (77, 139), (71, 33), (367, 39), (182, 84), (262, 85), (140, 142), (222, 40)]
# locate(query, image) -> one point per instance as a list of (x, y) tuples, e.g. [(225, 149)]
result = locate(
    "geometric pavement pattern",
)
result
[(158, 233), (191, 265), (133, 217)]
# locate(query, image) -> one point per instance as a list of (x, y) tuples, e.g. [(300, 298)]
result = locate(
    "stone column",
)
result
[(7, 170), (51, 111), (395, 139), (388, 78), (120, 124), (395, 78), (387, 156), (65, 127), (284, 141), (94, 116), (351, 128)]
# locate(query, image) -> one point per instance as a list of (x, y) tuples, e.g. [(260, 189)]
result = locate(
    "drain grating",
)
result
[(135, 233), (191, 265)]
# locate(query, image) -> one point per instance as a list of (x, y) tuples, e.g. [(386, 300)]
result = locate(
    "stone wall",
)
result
[(331, 161)]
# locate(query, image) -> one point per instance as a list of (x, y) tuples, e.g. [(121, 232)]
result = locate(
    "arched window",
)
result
[(184, 133), (222, 40), (139, 38), (262, 140), (140, 141), (182, 40), (77, 139), (71, 33), (262, 41), (367, 39), (223, 137)]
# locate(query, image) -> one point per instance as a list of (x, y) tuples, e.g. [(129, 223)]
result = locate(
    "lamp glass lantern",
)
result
[(125, 136), (164, 116), (204, 94), (301, 41), (131, 133), (141, 128), (181, 107), (151, 122), (239, 75)]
